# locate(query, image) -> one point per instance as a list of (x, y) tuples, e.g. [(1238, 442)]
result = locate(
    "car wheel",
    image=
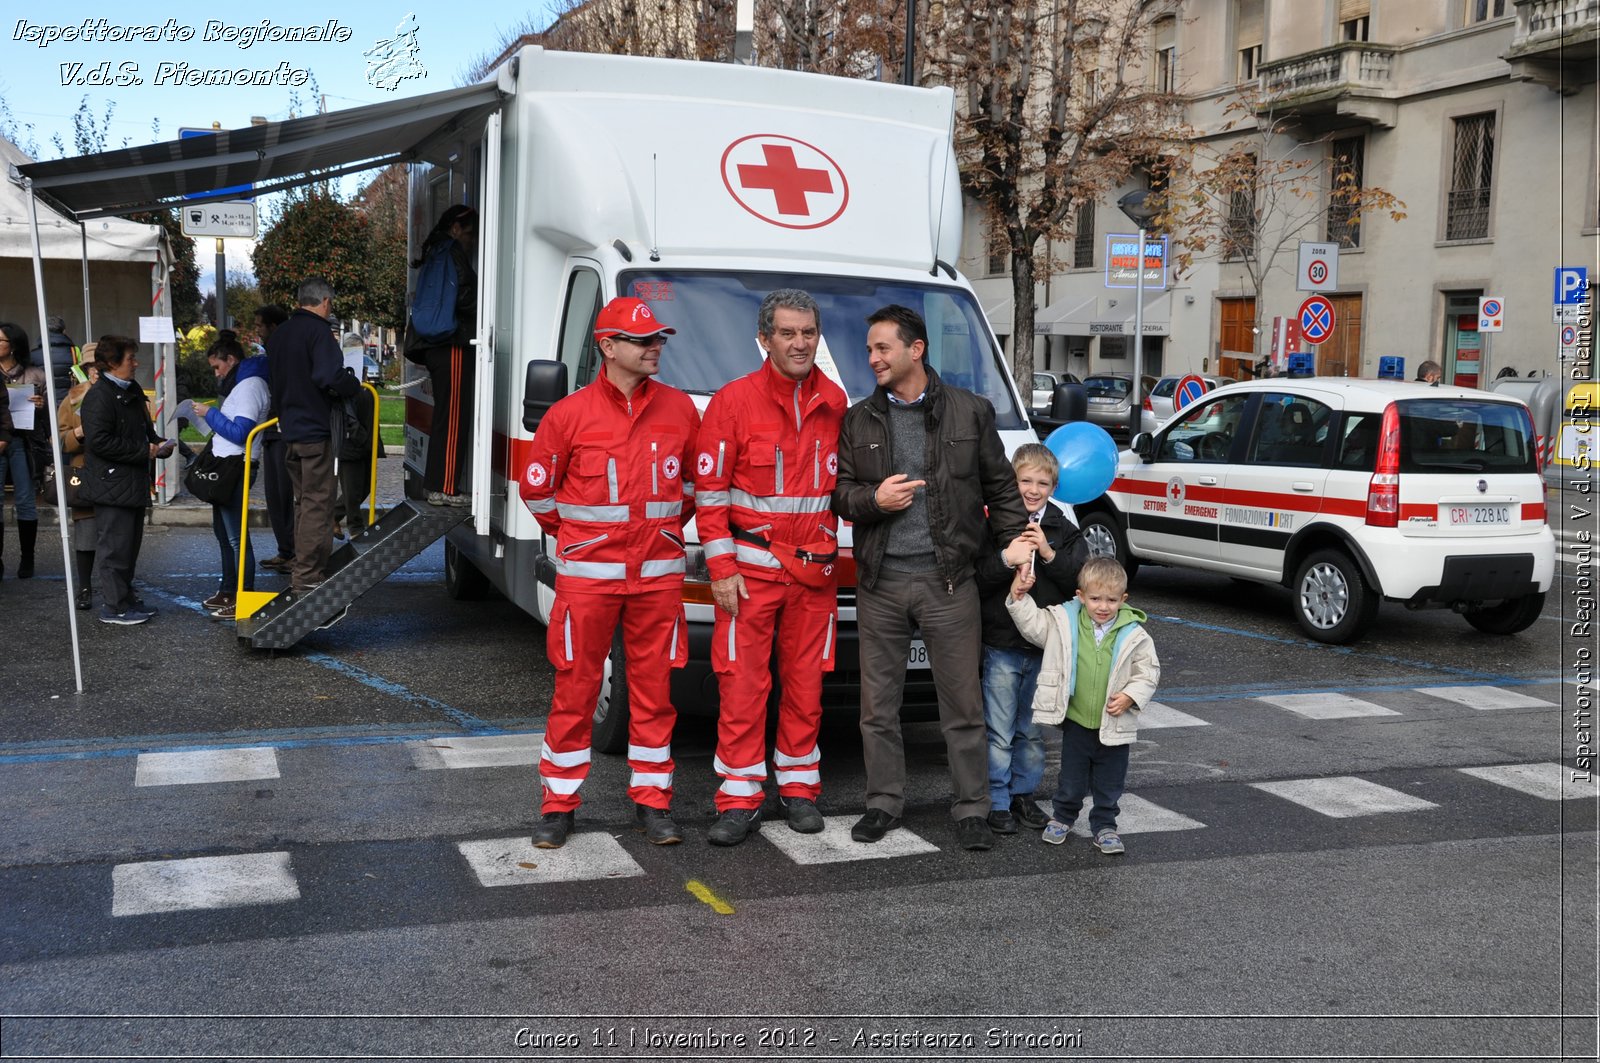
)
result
[(1509, 617), (1332, 601), (1105, 539), (462, 580), (611, 711)]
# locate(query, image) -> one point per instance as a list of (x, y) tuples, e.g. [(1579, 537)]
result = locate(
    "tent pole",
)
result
[(51, 406), (88, 319)]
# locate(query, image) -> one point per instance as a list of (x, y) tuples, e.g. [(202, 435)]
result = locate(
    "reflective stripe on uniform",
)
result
[(758, 770), (787, 776), (712, 498), (740, 788), (540, 505), (657, 510), (783, 760), (650, 754), (718, 547), (598, 514), (676, 566), (564, 760), (592, 569), (560, 786), (662, 780), (754, 555), (769, 504)]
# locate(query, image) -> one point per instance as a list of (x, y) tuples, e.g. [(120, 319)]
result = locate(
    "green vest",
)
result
[(1092, 673)]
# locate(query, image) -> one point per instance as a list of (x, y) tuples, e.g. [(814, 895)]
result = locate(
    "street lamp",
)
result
[(1136, 205)]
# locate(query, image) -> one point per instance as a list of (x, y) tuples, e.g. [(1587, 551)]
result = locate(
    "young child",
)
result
[(1100, 669), (1053, 549)]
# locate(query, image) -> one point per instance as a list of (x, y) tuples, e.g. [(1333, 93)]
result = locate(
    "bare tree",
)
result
[(1250, 200), (1056, 107)]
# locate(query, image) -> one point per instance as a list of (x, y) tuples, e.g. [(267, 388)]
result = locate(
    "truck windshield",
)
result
[(715, 315)]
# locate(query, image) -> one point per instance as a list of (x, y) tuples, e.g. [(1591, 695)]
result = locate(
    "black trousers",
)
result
[(279, 494), (119, 532), (450, 436)]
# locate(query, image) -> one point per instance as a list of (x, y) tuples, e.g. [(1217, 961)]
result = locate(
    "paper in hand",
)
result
[(20, 400)]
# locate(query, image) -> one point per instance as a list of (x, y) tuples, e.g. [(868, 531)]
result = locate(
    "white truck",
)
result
[(698, 187)]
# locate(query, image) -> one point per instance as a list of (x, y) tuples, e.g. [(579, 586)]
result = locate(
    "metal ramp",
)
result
[(355, 568)]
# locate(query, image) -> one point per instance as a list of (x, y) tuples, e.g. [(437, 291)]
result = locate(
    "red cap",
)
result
[(627, 316)]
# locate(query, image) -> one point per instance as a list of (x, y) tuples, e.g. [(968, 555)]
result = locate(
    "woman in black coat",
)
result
[(120, 443)]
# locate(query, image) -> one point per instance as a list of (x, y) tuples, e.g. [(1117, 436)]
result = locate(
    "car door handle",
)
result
[(1303, 485), (1208, 481)]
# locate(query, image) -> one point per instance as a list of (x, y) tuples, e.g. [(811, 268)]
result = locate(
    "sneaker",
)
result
[(657, 825), (435, 498), (225, 613), (552, 831), (1002, 822), (803, 815), (457, 500), (973, 834), (1027, 812), (1107, 842), (1055, 832), (85, 600), (217, 601), (127, 619), (873, 826), (734, 826)]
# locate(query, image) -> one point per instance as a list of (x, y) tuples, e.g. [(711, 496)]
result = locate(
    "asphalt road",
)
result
[(1363, 852)]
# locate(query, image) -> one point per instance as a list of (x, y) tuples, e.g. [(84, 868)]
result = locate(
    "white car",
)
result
[(1348, 492), (1044, 389), (1159, 405)]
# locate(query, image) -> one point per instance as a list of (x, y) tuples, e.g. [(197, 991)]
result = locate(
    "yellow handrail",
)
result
[(372, 491), (245, 603)]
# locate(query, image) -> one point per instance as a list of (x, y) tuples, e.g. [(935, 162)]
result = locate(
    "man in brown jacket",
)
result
[(918, 462)]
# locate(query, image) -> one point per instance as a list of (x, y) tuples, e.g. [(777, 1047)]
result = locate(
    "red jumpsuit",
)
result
[(608, 480), (766, 463)]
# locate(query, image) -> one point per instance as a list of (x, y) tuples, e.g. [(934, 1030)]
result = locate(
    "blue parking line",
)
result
[(235, 742), (393, 689), (1346, 651)]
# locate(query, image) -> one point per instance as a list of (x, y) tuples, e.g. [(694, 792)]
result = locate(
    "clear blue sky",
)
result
[(449, 39)]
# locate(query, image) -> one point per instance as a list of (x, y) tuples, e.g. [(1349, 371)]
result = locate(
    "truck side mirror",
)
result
[(1069, 402), (544, 386)]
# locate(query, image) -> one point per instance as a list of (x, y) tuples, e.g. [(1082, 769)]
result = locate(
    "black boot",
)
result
[(2, 545), (85, 560), (27, 534)]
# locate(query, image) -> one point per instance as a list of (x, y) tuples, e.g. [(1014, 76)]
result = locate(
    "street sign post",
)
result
[(1190, 389), (227, 218), (1319, 267), (1491, 314), (1316, 319)]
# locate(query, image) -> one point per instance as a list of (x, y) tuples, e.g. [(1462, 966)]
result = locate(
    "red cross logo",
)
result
[(1175, 491), (784, 181)]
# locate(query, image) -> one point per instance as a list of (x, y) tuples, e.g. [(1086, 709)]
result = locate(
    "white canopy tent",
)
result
[(273, 157)]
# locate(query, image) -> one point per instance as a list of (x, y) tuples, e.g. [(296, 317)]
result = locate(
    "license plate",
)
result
[(1103, 402), (918, 657), (1470, 516)]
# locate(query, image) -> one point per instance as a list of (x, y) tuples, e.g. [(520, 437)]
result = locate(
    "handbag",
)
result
[(213, 479), (74, 484)]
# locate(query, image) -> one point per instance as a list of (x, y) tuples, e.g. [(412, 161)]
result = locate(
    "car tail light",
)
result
[(1146, 404), (1383, 493)]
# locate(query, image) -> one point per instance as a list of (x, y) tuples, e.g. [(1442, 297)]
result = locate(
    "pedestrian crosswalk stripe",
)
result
[(205, 765), (1552, 782), (1344, 796), (835, 846), (485, 751), (1156, 714), (202, 882), (515, 862), (1135, 815), (1486, 697), (1328, 705)]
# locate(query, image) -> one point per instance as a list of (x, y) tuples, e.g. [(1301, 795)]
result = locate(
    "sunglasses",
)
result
[(657, 340)]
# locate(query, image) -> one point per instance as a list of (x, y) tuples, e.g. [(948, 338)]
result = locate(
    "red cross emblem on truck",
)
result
[(784, 181)]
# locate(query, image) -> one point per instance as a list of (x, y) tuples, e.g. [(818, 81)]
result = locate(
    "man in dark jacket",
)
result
[(62, 353), (307, 376), (918, 462)]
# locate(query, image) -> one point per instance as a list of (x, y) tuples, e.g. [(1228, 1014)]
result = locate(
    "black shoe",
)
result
[(803, 815), (25, 569), (734, 826), (657, 825), (874, 825), (552, 831), (974, 834), (1028, 813), (85, 600), (1002, 822)]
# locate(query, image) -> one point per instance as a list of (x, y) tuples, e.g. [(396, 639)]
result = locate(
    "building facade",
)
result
[(1480, 115)]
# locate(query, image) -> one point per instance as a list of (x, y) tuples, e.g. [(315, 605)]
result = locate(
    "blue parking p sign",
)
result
[(1571, 283)]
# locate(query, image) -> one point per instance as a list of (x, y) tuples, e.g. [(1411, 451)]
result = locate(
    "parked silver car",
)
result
[(1109, 396), (1158, 402)]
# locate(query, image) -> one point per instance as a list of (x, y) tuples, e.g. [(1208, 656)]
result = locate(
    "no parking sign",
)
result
[(1316, 319), (1189, 389)]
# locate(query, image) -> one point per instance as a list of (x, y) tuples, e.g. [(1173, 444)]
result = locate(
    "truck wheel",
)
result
[(611, 711), (462, 580), (1332, 602), (1105, 539), (1510, 616)]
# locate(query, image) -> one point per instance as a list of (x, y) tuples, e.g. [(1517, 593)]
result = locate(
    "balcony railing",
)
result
[(1553, 19), (1555, 43), (1344, 67)]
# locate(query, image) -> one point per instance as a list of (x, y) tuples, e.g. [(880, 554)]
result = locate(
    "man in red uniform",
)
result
[(608, 480), (767, 458)]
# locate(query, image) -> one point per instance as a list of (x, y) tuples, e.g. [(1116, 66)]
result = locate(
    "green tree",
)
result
[(316, 235), (383, 201)]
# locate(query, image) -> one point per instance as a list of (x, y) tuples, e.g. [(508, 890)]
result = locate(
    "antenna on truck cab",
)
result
[(655, 211)]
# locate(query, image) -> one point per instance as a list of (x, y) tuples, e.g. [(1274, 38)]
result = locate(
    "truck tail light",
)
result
[(1383, 493)]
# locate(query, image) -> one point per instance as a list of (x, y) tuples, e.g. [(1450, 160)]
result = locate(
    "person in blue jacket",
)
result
[(242, 388)]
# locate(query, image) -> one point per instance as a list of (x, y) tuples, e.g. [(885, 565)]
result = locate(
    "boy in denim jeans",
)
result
[(1053, 550), (1099, 670)]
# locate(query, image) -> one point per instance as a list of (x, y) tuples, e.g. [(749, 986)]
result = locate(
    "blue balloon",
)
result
[(1088, 457)]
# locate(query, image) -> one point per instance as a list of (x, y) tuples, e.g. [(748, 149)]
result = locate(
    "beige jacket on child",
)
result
[(1135, 671)]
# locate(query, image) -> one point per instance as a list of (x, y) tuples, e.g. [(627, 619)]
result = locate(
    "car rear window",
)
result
[(1164, 387), (1465, 436), (1099, 387)]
